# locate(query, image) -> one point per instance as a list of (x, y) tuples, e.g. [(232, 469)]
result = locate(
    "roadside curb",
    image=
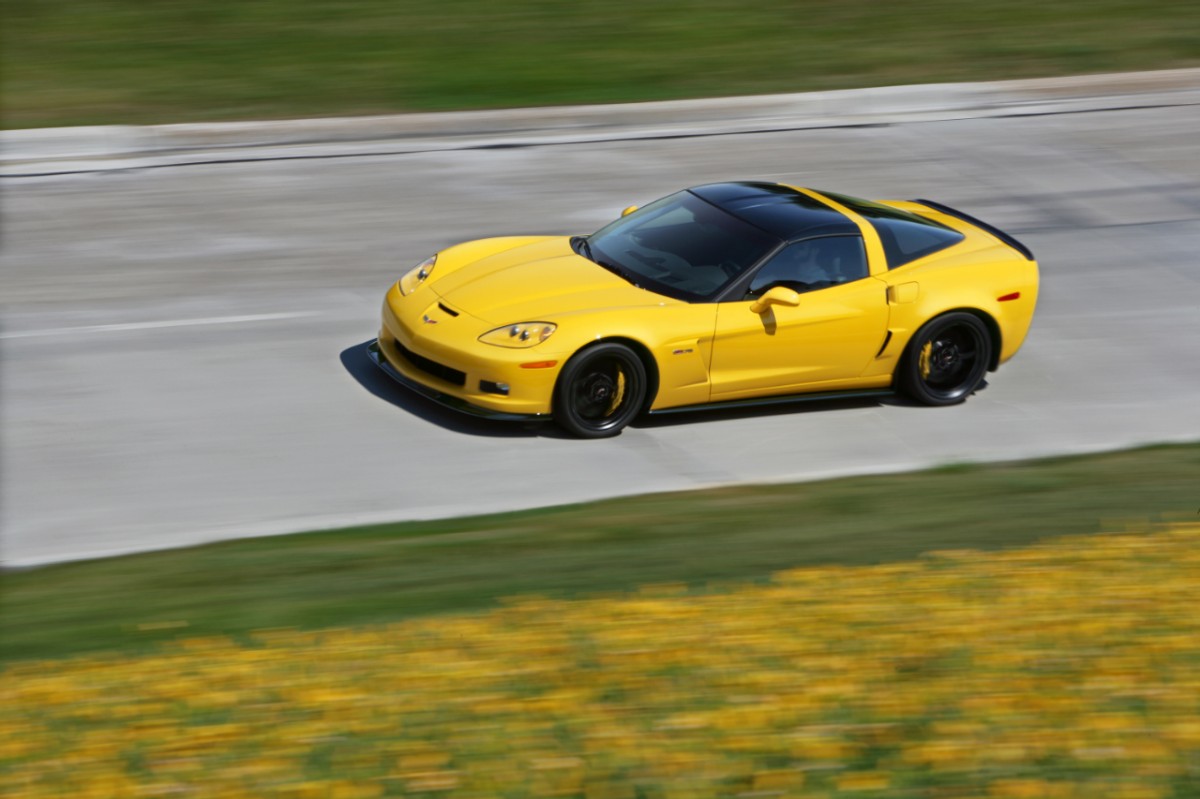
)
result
[(64, 150)]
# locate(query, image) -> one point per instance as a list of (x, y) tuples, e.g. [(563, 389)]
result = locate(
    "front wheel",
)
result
[(946, 360), (600, 391)]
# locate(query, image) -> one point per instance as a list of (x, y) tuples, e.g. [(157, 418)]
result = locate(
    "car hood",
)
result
[(537, 281)]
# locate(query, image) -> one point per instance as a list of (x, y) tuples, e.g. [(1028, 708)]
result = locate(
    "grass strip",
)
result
[(391, 572), (1062, 670), (77, 62)]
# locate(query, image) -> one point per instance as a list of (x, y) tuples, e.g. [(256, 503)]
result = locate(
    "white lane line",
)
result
[(122, 326)]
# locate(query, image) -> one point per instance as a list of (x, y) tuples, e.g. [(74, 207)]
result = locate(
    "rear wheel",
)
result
[(946, 360), (600, 391)]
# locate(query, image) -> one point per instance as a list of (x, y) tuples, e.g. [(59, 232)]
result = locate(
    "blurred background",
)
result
[(86, 62), (182, 363)]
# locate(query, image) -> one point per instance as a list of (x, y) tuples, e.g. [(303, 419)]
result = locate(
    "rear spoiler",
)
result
[(995, 231)]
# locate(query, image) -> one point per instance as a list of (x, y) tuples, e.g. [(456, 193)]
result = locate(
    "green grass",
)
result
[(73, 62), (390, 572)]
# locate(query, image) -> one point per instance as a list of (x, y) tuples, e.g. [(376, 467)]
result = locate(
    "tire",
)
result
[(946, 360), (600, 390)]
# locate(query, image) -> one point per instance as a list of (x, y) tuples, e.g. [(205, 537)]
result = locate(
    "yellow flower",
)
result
[(863, 781), (825, 680)]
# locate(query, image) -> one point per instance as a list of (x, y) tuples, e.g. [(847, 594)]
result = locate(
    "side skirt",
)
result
[(780, 400)]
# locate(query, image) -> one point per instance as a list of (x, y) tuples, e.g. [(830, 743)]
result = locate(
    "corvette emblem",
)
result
[(428, 321)]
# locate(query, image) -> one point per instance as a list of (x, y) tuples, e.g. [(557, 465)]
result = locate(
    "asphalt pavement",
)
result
[(182, 337)]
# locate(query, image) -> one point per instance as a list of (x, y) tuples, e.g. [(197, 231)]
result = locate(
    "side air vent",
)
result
[(449, 311)]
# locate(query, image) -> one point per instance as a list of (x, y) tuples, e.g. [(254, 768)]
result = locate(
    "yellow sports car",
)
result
[(722, 295)]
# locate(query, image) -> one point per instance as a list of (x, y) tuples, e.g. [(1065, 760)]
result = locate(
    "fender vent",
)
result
[(886, 341)]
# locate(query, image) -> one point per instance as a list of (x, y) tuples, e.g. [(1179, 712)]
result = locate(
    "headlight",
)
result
[(416, 276), (522, 334)]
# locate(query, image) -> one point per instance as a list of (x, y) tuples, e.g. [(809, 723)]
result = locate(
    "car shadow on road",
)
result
[(786, 408), (761, 411), (359, 366), (354, 359)]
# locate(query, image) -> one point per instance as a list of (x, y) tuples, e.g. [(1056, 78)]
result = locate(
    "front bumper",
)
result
[(376, 354), (432, 344)]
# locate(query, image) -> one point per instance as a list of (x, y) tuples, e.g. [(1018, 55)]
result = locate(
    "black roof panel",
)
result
[(779, 210)]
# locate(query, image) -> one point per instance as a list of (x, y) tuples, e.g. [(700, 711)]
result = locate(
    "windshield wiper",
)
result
[(580, 245)]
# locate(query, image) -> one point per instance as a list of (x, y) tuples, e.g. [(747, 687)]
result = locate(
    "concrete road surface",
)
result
[(182, 347)]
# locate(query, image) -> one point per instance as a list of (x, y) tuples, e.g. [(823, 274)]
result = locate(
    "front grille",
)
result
[(434, 368)]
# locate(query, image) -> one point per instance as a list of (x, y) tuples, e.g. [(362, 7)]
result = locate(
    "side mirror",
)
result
[(629, 210), (780, 295)]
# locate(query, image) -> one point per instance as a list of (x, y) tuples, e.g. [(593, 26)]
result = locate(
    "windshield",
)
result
[(680, 246)]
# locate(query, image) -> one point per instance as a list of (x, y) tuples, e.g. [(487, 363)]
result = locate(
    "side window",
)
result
[(812, 264), (904, 241), (905, 236)]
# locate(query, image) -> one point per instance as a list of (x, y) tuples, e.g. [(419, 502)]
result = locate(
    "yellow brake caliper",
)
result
[(923, 361), (619, 394)]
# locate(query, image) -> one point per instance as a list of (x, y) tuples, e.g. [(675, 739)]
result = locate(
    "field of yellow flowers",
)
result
[(1065, 669)]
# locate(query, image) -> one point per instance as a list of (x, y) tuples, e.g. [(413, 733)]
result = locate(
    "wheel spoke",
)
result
[(599, 394), (587, 402)]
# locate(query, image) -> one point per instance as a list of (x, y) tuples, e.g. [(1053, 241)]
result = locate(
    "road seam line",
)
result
[(156, 325)]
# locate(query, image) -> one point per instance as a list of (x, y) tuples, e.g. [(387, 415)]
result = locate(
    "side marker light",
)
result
[(539, 364), (1014, 296)]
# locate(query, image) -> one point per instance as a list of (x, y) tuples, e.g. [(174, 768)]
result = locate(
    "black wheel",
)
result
[(946, 360), (601, 389)]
